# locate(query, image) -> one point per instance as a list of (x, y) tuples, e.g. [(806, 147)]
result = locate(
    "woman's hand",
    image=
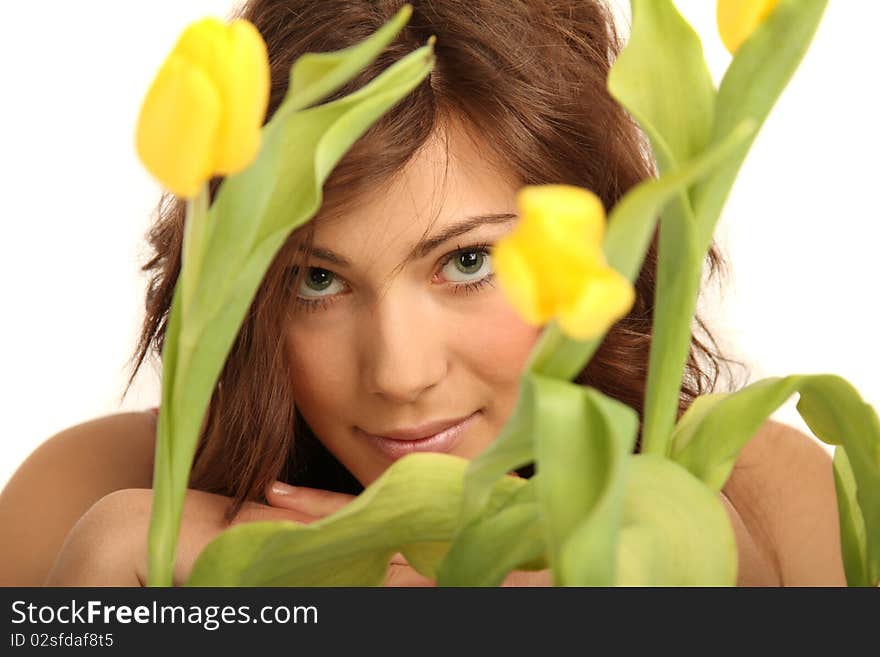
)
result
[(314, 503), (108, 544)]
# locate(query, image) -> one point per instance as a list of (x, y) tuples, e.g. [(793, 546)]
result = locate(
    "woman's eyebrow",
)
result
[(426, 246)]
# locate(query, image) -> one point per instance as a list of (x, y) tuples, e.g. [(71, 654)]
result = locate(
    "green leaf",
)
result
[(837, 415), (679, 269), (416, 501), (711, 434), (662, 79), (315, 76), (282, 189), (582, 440), (493, 545), (511, 449), (675, 530), (588, 554), (425, 557), (853, 539), (630, 227), (678, 276), (249, 221), (755, 79), (632, 221)]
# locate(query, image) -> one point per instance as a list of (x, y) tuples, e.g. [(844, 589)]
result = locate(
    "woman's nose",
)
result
[(403, 351)]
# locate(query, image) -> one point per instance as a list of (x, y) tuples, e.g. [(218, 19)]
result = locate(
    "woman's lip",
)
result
[(443, 441)]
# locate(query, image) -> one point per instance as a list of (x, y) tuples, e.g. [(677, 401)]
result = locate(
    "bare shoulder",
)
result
[(114, 447), (61, 480), (782, 487)]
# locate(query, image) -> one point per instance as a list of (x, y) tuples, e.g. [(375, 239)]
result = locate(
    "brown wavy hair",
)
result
[(528, 77)]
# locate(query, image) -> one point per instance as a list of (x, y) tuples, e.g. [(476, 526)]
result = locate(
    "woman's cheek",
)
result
[(317, 368), (501, 342)]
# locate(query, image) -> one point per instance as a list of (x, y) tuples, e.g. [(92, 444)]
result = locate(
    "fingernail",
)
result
[(280, 488)]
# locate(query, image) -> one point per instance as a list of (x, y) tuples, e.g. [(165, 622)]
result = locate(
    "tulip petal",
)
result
[(566, 269), (518, 281), (737, 19), (553, 264), (245, 89), (203, 45), (562, 211), (177, 126), (607, 296), (203, 115)]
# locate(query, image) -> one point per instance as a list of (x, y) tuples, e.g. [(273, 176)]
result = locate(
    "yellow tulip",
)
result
[(203, 112), (737, 19), (552, 264)]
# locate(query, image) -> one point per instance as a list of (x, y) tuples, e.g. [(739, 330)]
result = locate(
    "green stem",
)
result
[(558, 356), (168, 485), (194, 230), (162, 538), (678, 278)]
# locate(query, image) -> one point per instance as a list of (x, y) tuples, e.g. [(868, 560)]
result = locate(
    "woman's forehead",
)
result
[(446, 181)]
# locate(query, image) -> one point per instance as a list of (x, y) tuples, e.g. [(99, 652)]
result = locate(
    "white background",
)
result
[(800, 229)]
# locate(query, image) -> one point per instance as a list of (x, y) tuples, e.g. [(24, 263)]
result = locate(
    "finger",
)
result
[(405, 576), (398, 558), (254, 512), (529, 578), (313, 501)]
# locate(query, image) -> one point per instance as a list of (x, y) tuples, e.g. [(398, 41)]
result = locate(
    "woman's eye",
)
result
[(318, 283), (468, 265)]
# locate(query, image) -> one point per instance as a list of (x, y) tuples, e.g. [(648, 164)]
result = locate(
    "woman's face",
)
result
[(379, 350)]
